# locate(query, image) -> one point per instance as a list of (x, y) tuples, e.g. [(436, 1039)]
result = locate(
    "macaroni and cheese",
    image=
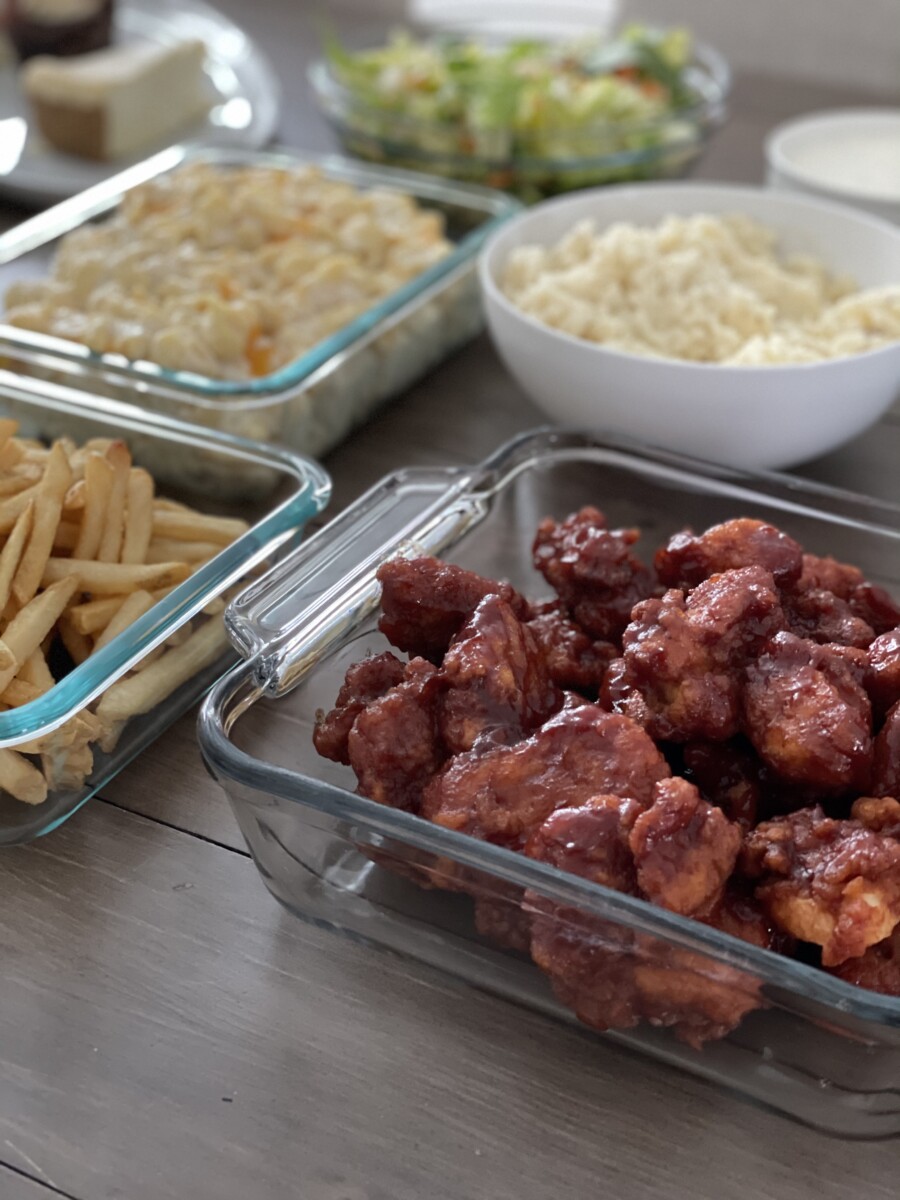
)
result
[(701, 288), (229, 273)]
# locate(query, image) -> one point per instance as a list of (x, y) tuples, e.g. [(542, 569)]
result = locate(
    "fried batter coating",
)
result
[(588, 959), (498, 685), (827, 573), (688, 559), (684, 849), (364, 682), (502, 919), (426, 601), (727, 774), (876, 606), (502, 795), (592, 570), (807, 716), (886, 759), (833, 883), (884, 671), (878, 969), (881, 814), (685, 657), (574, 659), (821, 616), (394, 746)]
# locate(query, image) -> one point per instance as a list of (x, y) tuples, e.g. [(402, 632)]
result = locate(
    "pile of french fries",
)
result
[(86, 547)]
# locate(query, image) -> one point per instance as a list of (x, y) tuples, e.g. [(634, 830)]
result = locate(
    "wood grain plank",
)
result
[(167, 1031)]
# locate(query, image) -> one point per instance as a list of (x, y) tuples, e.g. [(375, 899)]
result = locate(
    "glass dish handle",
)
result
[(316, 597)]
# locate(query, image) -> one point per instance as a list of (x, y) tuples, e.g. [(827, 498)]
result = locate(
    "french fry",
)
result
[(74, 501), (31, 624), (13, 506), (66, 536), (138, 518), (12, 551), (139, 693), (47, 509), (18, 692), (115, 579), (98, 479), (8, 427), (21, 778), (12, 485), (34, 670), (135, 606), (68, 769), (110, 547), (194, 527)]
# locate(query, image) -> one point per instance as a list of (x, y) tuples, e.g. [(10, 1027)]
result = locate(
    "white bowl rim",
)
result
[(656, 362), (778, 156)]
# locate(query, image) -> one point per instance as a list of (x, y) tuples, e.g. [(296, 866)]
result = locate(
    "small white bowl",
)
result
[(754, 417), (851, 155)]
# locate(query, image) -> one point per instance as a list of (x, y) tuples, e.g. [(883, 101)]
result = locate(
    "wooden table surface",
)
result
[(166, 1031)]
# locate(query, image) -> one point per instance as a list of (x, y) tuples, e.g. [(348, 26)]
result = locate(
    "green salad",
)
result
[(501, 113)]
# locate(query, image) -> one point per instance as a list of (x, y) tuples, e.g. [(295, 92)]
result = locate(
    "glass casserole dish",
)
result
[(176, 645), (804, 1042), (314, 401)]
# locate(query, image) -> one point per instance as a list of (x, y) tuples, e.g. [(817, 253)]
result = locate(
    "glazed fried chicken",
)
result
[(881, 814), (727, 775), (684, 657), (592, 570), (365, 681), (497, 684), (688, 559), (684, 849), (833, 883), (886, 759), (883, 679), (878, 969), (394, 746), (574, 659), (426, 601), (807, 716), (502, 795)]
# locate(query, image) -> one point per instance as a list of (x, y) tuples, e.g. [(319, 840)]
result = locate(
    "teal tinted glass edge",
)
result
[(92, 677)]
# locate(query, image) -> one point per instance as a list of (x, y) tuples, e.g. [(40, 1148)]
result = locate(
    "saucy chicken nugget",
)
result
[(592, 570), (394, 746), (886, 757), (685, 656), (688, 559), (588, 960), (684, 849), (833, 883), (425, 602), (807, 716), (878, 969), (821, 616), (824, 572), (876, 606), (364, 682), (574, 659), (883, 678), (497, 688), (503, 794)]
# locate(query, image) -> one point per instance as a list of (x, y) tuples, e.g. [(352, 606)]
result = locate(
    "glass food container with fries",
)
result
[(363, 354), (113, 582), (796, 1038)]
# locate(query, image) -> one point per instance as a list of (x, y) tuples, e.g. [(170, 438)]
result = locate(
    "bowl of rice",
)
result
[(736, 324)]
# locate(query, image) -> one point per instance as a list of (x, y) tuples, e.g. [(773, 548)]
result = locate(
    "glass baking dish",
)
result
[(314, 402), (288, 490), (808, 1045)]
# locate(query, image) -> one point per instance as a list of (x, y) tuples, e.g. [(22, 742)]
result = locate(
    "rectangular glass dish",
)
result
[(805, 1043), (314, 402), (287, 491)]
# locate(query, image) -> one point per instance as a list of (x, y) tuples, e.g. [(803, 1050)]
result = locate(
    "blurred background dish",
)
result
[(768, 416), (244, 100), (851, 155), (534, 118)]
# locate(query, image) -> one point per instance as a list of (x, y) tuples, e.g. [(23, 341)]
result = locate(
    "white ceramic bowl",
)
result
[(851, 155), (755, 417)]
